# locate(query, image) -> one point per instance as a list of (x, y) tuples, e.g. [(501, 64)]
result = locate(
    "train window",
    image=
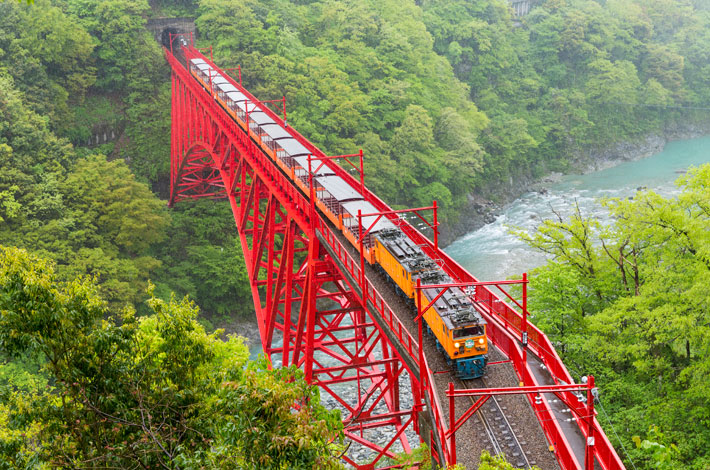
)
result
[(468, 331)]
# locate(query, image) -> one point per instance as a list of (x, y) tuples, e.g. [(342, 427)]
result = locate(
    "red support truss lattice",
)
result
[(315, 305)]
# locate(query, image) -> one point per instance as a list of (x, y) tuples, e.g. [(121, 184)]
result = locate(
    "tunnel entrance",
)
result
[(176, 38), (163, 28)]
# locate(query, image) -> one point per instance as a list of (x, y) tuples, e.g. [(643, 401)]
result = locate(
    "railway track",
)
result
[(532, 447), (501, 433)]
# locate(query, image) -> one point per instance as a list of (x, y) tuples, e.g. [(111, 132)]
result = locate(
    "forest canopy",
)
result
[(447, 99), (157, 391)]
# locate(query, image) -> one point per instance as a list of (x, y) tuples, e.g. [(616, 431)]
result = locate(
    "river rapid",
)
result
[(492, 253)]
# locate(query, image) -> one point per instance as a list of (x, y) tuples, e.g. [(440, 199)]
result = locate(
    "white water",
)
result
[(492, 253)]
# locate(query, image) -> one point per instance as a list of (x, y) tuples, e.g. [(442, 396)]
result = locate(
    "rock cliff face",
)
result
[(600, 159), (482, 208)]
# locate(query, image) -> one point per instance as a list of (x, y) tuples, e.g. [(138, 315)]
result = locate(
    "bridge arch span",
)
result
[(197, 174)]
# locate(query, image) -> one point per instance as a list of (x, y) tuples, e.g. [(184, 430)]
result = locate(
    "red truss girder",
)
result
[(305, 310), (290, 272), (196, 176)]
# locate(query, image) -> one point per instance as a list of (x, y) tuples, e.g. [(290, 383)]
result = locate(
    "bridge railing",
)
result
[(509, 343), (505, 319), (393, 322), (436, 410), (395, 325), (510, 320), (298, 204)]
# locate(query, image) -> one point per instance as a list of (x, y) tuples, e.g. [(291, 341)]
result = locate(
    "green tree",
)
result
[(351, 70), (154, 391), (49, 57), (127, 58), (612, 82), (664, 65), (8, 205), (628, 302), (203, 258), (496, 462), (97, 221)]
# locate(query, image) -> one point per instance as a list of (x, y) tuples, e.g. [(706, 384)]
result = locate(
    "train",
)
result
[(457, 326)]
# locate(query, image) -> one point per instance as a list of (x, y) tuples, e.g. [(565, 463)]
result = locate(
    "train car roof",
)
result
[(366, 208), (400, 245), (276, 131), (203, 66), (338, 188), (260, 117), (456, 309), (236, 96), (227, 87), (197, 61), (409, 255), (212, 75), (219, 79), (293, 147), (250, 105), (452, 323), (315, 163)]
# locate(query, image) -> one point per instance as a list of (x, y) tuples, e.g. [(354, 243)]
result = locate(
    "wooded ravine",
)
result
[(447, 98)]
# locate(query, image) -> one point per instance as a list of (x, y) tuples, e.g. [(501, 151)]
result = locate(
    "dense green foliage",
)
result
[(67, 69), (420, 458), (149, 392), (496, 462), (445, 97), (88, 214), (358, 75), (49, 57), (629, 303), (575, 74), (516, 98), (206, 261)]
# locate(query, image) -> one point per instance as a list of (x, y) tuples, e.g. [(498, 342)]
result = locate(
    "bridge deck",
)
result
[(570, 428)]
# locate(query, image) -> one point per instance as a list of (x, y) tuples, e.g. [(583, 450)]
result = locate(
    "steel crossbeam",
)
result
[(585, 412)]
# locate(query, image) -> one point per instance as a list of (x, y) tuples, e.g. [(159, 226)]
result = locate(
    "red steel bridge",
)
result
[(317, 304)]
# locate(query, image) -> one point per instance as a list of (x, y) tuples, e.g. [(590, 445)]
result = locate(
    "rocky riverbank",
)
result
[(483, 208)]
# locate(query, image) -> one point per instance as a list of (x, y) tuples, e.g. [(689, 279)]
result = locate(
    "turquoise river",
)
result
[(492, 253)]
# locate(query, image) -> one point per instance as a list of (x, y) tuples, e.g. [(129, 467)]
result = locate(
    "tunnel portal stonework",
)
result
[(161, 27)]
